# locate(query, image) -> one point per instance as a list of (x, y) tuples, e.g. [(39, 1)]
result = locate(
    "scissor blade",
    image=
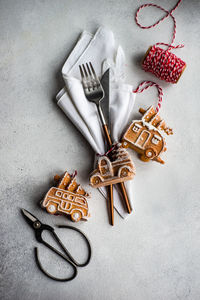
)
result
[(28, 216)]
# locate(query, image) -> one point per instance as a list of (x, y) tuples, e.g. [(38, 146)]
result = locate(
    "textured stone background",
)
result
[(154, 254)]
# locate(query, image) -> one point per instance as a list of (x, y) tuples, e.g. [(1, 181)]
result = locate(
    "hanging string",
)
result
[(168, 13), (145, 85), (163, 64), (109, 150), (74, 174)]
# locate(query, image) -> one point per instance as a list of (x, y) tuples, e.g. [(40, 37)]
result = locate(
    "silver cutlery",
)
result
[(94, 93)]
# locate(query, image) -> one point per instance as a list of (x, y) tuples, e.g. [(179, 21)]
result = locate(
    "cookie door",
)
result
[(142, 139)]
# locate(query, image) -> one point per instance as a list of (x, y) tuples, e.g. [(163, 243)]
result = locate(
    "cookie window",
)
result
[(155, 139), (65, 196), (136, 127), (80, 201), (70, 197), (58, 193)]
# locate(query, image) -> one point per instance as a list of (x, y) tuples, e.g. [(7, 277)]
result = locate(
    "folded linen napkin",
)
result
[(102, 51)]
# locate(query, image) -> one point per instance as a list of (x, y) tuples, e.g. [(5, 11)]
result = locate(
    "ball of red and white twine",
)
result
[(162, 63)]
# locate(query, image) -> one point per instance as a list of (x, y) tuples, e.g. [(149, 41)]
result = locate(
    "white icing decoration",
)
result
[(51, 208), (149, 154), (76, 216), (157, 137)]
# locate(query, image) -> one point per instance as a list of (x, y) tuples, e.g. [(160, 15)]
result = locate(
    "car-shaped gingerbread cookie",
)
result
[(67, 198), (118, 167)]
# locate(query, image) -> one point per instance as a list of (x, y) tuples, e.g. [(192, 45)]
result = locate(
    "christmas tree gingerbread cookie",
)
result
[(67, 198), (145, 136)]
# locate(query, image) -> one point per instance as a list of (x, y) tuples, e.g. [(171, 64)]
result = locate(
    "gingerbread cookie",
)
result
[(113, 168), (67, 198), (145, 136)]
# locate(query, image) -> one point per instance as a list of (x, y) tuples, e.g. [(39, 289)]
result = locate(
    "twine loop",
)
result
[(145, 85), (74, 174), (114, 146), (168, 13)]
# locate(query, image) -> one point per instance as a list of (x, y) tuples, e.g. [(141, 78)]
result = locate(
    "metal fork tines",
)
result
[(91, 84), (94, 92)]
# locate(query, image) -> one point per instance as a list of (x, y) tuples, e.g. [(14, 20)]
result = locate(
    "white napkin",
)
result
[(102, 51)]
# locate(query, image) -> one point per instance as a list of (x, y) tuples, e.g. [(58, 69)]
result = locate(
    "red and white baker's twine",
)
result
[(114, 146), (73, 175), (145, 85), (162, 63)]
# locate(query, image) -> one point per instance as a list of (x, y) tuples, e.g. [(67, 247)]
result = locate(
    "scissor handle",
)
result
[(68, 257), (39, 228), (87, 242), (51, 276)]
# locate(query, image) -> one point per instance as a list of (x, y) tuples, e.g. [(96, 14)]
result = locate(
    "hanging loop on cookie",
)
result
[(114, 146), (74, 174), (145, 85)]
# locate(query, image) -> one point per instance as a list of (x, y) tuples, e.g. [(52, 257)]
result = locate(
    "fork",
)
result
[(95, 93)]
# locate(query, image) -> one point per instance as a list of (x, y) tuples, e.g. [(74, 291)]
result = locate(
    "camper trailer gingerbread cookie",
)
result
[(67, 198), (113, 168), (145, 136)]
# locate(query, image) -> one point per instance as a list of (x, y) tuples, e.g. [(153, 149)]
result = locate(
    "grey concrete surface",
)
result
[(155, 253)]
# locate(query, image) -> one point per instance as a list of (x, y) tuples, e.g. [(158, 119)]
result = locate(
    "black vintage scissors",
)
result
[(39, 228)]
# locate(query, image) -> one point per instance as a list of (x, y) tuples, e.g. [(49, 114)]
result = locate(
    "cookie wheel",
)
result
[(124, 172), (76, 215), (124, 144), (95, 180), (150, 153), (52, 208)]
